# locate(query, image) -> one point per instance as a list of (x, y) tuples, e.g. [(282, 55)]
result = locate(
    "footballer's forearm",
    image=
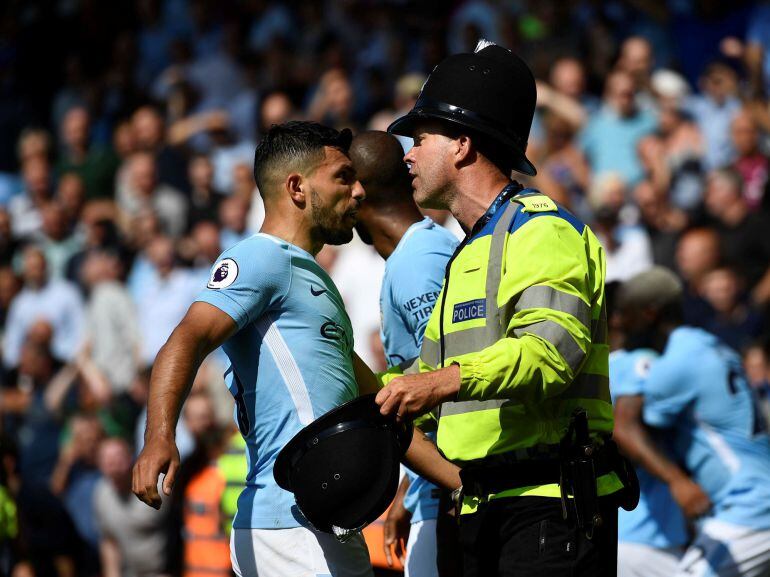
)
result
[(424, 459), (634, 439), (172, 376)]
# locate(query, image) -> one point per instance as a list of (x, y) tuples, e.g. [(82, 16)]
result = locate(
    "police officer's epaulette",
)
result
[(535, 202)]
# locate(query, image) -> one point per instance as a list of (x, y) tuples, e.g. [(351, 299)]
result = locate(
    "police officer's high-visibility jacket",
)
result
[(234, 468), (522, 312)]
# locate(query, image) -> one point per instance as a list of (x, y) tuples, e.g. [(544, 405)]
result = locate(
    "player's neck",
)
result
[(293, 232), (388, 229)]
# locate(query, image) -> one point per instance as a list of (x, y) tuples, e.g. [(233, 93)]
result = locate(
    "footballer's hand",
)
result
[(159, 456), (690, 497), (395, 532), (410, 396)]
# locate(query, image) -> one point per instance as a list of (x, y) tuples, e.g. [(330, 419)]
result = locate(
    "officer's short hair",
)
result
[(495, 152), (293, 145)]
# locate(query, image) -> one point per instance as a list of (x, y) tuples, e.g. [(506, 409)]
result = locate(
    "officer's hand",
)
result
[(410, 396), (159, 455), (395, 532), (690, 497)]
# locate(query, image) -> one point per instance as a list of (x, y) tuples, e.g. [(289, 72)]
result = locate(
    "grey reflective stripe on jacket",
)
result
[(498, 319)]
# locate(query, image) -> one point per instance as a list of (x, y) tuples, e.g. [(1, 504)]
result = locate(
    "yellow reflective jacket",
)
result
[(522, 313)]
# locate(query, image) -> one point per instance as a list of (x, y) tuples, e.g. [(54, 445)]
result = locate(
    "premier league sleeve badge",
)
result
[(223, 274)]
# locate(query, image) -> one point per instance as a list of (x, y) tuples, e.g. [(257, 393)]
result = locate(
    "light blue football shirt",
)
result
[(697, 389), (411, 284), (290, 361), (657, 521)]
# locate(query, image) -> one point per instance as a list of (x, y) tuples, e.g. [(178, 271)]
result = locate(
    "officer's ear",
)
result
[(295, 185), (464, 150)]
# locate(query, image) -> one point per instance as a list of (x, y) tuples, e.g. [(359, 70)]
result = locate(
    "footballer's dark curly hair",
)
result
[(294, 146)]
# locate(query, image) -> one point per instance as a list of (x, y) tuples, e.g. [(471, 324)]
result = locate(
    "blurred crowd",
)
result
[(127, 133)]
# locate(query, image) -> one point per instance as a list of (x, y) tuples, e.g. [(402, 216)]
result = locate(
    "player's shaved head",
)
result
[(293, 147), (380, 167)]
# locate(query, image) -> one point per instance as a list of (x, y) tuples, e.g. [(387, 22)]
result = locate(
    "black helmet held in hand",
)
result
[(343, 468), (491, 92)]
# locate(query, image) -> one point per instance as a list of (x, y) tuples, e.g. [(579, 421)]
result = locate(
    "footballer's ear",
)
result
[(294, 186)]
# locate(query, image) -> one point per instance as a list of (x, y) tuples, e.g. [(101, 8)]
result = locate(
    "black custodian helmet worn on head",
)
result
[(491, 92), (343, 468)]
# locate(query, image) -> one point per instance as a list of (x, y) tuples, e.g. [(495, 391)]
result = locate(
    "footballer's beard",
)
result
[(328, 227)]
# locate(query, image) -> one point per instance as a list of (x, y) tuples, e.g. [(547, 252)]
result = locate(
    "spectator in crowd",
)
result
[(697, 254), (143, 190), (627, 247), (149, 135), (227, 153), (9, 288), (95, 165), (201, 249), (743, 236), (563, 170), (25, 208), (145, 228), (99, 233), (123, 140), (204, 198), (33, 408), (276, 108), (672, 158), (133, 536), (407, 90), (714, 110), (243, 182), (34, 143), (48, 539), (163, 299), (71, 196), (662, 222), (610, 138), (233, 218), (734, 321), (57, 240), (112, 335), (199, 416), (8, 244), (333, 101), (56, 301), (213, 131), (750, 162), (568, 77), (74, 481), (637, 59)]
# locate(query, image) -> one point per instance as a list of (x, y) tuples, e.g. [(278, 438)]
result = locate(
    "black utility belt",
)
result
[(484, 479), (576, 469)]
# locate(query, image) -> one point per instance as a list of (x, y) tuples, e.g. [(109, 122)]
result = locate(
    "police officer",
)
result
[(514, 358)]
